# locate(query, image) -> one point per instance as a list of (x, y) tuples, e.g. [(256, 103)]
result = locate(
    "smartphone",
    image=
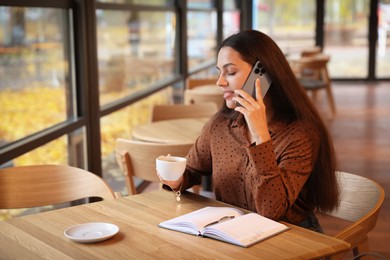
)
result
[(258, 72)]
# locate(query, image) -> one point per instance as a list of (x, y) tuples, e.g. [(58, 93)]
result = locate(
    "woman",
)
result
[(272, 156)]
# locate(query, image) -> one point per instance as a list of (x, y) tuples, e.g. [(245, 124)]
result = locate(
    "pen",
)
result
[(220, 220)]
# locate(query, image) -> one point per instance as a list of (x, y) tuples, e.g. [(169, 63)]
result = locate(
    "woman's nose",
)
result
[(221, 81)]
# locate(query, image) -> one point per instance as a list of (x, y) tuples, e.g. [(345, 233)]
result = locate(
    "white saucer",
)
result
[(91, 232)]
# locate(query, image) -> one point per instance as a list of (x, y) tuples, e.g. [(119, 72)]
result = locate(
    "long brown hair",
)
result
[(291, 102)]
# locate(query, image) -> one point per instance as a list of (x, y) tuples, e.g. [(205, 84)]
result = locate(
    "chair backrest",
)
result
[(42, 185), (204, 95), (191, 97), (361, 201), (193, 83), (138, 159), (314, 62), (315, 67), (166, 112), (313, 51)]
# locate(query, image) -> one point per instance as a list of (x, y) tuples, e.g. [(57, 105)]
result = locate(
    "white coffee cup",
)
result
[(170, 168)]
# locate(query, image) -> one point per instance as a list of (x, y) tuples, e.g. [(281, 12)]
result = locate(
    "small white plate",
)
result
[(91, 232)]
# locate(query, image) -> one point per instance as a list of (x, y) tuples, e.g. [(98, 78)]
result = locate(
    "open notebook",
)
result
[(226, 224)]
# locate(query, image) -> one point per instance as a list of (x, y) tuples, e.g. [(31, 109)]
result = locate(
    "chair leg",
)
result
[(118, 194), (331, 100), (128, 172), (329, 92), (314, 96), (338, 256), (361, 248)]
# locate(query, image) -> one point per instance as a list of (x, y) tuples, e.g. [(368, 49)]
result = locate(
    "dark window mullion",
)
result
[(320, 16), (87, 85), (372, 39)]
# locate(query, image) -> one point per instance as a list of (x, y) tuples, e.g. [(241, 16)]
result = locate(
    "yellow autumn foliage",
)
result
[(29, 110)]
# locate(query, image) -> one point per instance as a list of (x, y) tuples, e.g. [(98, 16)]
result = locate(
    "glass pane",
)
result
[(77, 148), (202, 35), (230, 5), (135, 50), (119, 125), (34, 72), (140, 2), (54, 152), (231, 23), (346, 34), (199, 4), (208, 73), (290, 23), (383, 53)]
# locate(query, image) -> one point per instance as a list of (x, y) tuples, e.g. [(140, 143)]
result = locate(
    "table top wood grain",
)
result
[(41, 235)]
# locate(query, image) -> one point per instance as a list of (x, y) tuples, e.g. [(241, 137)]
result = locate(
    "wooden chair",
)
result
[(317, 80), (43, 185), (166, 112), (309, 52), (361, 201), (138, 159)]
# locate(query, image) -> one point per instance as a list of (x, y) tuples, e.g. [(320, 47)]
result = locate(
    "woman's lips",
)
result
[(228, 94)]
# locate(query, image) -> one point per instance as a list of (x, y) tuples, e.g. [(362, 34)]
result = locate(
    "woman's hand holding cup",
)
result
[(170, 170)]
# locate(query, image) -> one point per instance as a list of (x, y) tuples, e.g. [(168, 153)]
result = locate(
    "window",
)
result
[(135, 50), (383, 52), (199, 4), (201, 36), (36, 85), (291, 24), (231, 18), (119, 125), (346, 34), (140, 2)]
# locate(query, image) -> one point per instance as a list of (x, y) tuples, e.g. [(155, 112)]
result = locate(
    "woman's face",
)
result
[(233, 72)]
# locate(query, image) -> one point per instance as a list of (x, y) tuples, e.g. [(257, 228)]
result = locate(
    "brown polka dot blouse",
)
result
[(265, 178)]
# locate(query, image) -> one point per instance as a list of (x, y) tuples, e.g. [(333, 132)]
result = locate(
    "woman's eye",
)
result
[(231, 73)]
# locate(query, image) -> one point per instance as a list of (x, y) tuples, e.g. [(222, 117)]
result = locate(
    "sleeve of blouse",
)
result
[(199, 159), (277, 179)]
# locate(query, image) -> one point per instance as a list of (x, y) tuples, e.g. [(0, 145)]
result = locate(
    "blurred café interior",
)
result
[(77, 75)]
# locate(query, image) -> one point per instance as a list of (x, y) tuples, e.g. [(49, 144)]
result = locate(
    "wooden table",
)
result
[(184, 130), (41, 235)]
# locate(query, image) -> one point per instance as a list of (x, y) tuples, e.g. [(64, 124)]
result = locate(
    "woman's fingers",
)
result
[(258, 90)]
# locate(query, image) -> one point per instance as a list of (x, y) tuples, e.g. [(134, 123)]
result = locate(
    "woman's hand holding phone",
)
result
[(254, 112), (257, 72)]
